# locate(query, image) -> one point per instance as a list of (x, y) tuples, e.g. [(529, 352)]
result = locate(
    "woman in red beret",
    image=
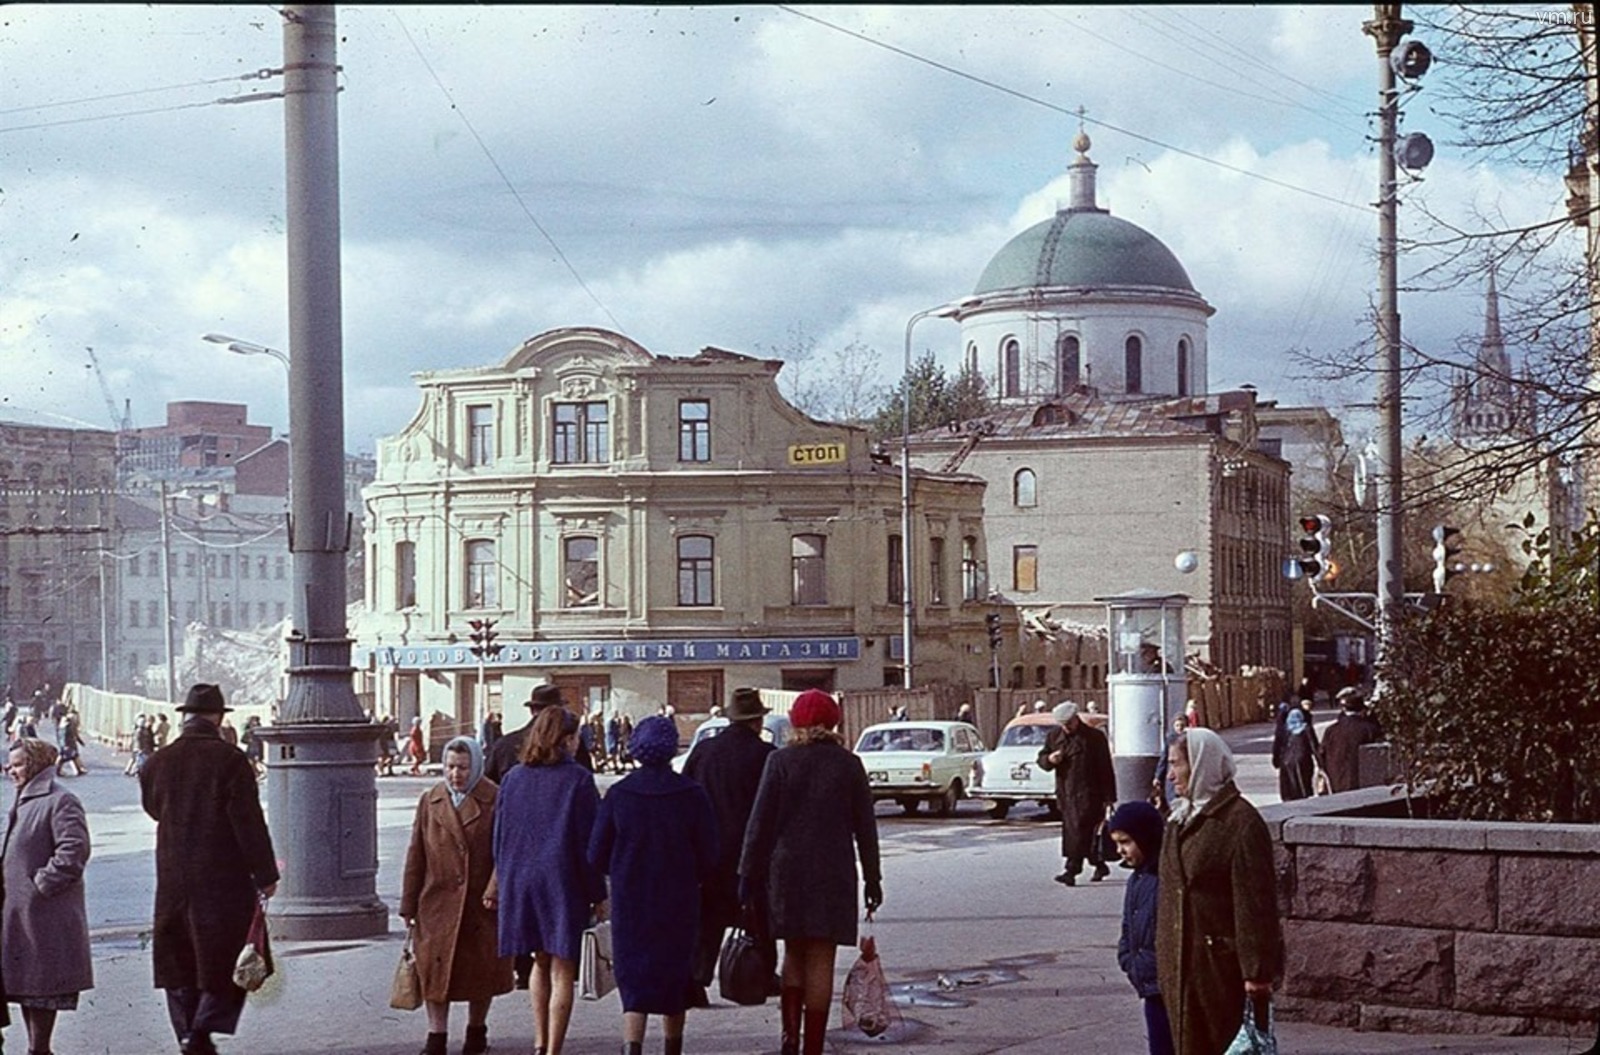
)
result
[(798, 868)]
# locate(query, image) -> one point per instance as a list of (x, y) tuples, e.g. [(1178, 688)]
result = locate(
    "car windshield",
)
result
[(901, 740), (1025, 736)]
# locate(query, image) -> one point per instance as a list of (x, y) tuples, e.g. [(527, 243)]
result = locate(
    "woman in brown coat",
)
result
[(44, 929), (447, 868), (1218, 939)]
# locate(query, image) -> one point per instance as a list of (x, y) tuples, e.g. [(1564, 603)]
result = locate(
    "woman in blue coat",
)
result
[(543, 885), (656, 837)]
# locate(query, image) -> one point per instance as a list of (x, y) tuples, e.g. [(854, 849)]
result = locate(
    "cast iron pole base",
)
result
[(322, 810)]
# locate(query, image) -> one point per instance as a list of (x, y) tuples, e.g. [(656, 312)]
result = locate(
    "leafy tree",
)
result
[(1492, 709), (937, 399)]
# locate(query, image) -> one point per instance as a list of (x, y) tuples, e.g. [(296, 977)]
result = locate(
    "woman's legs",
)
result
[(563, 980), (41, 1026), (438, 1016), (539, 997), (808, 966)]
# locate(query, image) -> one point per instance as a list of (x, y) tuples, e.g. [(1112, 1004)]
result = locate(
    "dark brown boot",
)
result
[(791, 1003), (816, 1033)]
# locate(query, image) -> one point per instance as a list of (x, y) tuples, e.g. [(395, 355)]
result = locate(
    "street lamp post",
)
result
[(238, 347), (907, 604)]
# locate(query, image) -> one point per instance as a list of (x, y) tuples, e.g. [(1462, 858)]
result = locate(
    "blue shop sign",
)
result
[(664, 652)]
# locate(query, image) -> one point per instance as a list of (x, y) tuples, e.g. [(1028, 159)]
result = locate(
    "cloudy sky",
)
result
[(720, 175)]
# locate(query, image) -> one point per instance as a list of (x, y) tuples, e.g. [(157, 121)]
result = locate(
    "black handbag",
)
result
[(746, 967)]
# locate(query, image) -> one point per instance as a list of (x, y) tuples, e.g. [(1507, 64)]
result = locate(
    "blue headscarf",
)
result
[(654, 741), (1295, 722), (474, 751)]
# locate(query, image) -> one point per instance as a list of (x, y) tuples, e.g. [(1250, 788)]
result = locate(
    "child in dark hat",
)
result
[(1136, 828)]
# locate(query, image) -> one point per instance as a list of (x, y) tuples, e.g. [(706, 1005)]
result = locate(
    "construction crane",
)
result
[(119, 422)]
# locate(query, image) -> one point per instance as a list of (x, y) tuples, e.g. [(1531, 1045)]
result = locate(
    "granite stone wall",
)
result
[(1428, 926)]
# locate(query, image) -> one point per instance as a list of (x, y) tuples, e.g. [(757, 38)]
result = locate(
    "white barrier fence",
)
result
[(110, 716)]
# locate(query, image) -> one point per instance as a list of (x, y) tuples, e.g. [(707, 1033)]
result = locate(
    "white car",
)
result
[(774, 730), (913, 762), (1010, 773)]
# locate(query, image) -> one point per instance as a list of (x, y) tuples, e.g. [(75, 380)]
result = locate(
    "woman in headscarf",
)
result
[(546, 888), (656, 837), (44, 928), (798, 868), (447, 871), (1296, 755), (1218, 934)]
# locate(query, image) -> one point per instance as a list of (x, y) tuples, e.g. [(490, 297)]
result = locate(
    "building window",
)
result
[(581, 571), (227, 615), (244, 567), (1024, 489), (1133, 365), (134, 564), (279, 566), (1025, 569), (482, 582), (261, 613), (1071, 355), (211, 613), (896, 564), (695, 568), (1011, 367), (133, 666), (191, 612), (1016, 676), (1183, 366), (133, 613), (261, 568), (480, 435), (581, 434), (227, 566), (1038, 677), (971, 571), (972, 357), (694, 430), (405, 575), (152, 613), (188, 565), (280, 610), (936, 570), (809, 569)]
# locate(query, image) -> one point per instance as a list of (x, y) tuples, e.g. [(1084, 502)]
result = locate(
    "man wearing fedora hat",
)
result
[(729, 767), (214, 860)]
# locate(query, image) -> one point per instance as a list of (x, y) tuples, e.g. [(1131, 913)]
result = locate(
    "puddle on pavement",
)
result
[(948, 989)]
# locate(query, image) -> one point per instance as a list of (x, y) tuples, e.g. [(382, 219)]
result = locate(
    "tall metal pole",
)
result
[(1386, 29), (166, 592), (105, 645), (321, 779), (907, 604)]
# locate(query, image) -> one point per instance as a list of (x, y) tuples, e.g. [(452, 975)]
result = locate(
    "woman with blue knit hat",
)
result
[(656, 838), (1136, 828)]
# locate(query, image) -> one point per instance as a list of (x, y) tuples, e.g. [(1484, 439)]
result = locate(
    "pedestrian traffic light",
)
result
[(992, 620), (483, 635), (1444, 548), (1316, 547)]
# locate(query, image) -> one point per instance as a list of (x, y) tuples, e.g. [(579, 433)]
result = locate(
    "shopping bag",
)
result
[(1320, 784), (745, 968), (865, 1001), (1256, 1034), (406, 992), (596, 976), (254, 965)]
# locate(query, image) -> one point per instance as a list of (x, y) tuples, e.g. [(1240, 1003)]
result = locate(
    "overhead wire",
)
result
[(257, 75), (505, 179), (1108, 126)]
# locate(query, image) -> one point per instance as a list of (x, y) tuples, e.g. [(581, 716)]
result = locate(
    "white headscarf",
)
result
[(1211, 766), (474, 751)]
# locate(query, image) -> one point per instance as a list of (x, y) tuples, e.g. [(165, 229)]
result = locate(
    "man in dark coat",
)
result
[(729, 767), (1086, 787), (1341, 744), (503, 755), (214, 860)]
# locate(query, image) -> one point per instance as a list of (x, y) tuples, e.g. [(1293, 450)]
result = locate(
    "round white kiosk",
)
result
[(1147, 683)]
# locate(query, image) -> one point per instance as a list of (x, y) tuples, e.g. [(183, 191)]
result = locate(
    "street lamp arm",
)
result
[(238, 347)]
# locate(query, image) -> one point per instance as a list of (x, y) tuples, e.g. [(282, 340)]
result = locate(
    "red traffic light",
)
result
[(476, 624), (1314, 523)]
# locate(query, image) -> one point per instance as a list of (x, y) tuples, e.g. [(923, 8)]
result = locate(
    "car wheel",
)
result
[(910, 805), (998, 810), (946, 803)]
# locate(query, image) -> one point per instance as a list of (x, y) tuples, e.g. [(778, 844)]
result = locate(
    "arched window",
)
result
[(1011, 367), (1024, 489), (1133, 365), (972, 357), (1183, 366), (1071, 358)]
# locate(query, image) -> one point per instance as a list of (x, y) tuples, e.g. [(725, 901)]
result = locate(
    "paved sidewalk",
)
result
[(1029, 968)]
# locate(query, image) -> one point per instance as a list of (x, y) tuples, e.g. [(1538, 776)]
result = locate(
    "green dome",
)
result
[(1083, 248)]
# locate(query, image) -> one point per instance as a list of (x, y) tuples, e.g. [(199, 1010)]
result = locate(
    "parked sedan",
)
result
[(913, 762), (1010, 773)]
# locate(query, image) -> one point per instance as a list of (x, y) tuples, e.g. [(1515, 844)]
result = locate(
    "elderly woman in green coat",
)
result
[(1218, 938)]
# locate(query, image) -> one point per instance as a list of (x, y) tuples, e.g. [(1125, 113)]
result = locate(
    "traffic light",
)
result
[(483, 643), (1444, 548), (1316, 547), (992, 620)]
